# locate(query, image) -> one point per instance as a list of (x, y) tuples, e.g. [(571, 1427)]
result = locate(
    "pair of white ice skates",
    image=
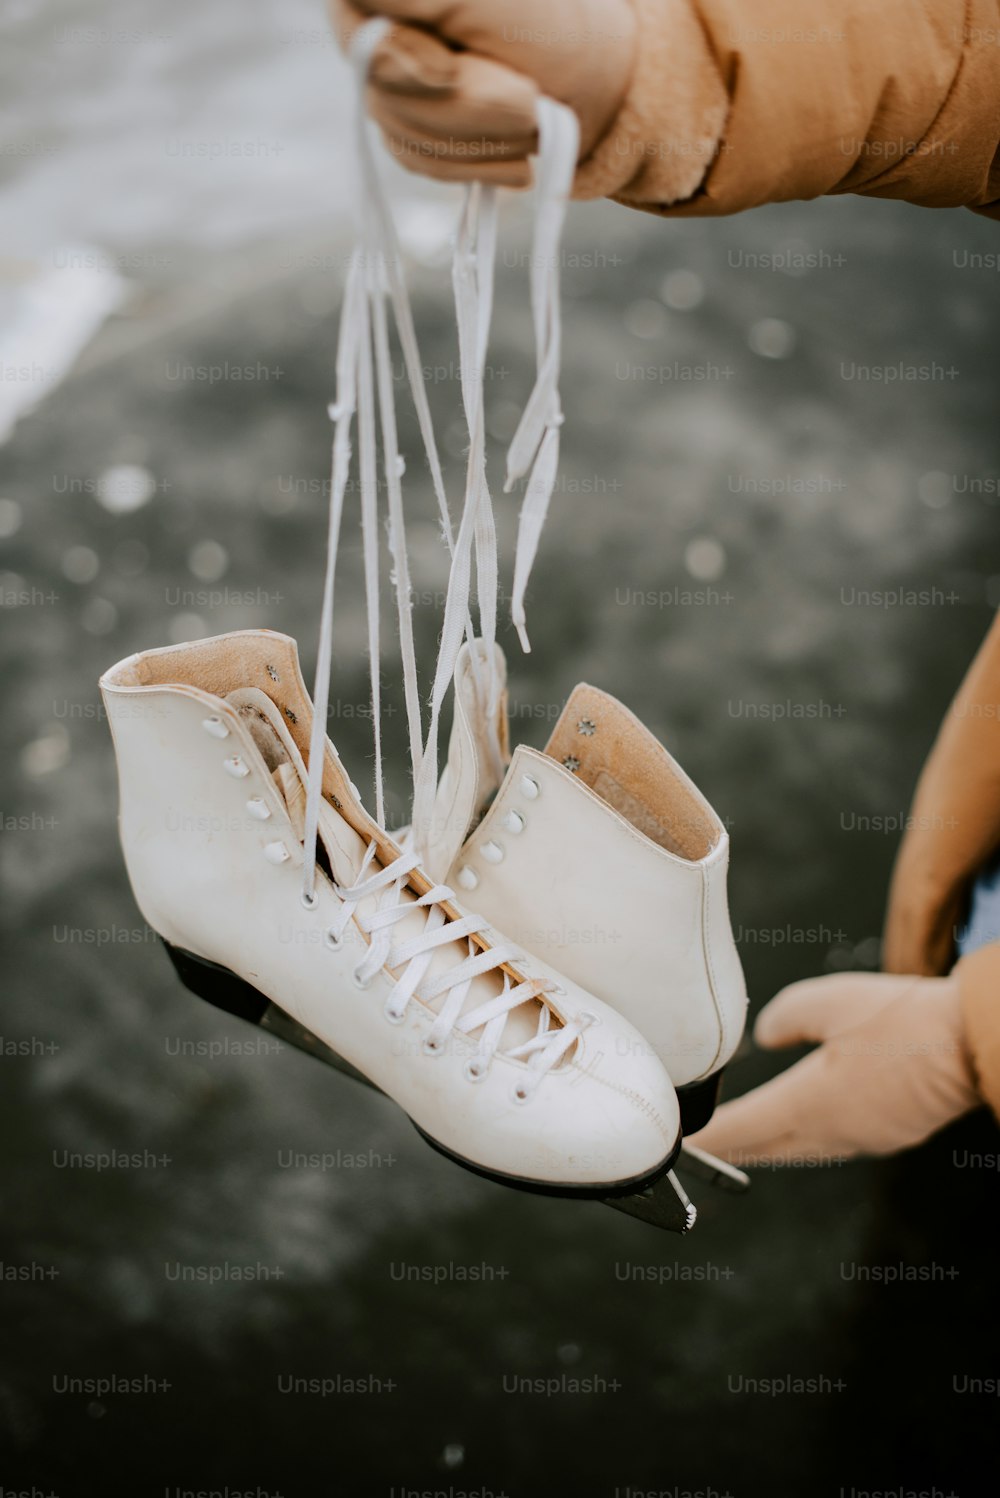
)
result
[(550, 997)]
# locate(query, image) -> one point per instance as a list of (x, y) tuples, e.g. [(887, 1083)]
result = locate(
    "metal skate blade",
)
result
[(711, 1169), (663, 1205)]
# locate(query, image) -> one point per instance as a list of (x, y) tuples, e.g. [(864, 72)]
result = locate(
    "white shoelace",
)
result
[(535, 444), (415, 954), (376, 272)]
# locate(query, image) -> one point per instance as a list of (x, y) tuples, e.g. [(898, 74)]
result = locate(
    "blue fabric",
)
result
[(983, 923)]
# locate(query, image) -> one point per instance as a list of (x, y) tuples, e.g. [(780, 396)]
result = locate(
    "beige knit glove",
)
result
[(454, 85), (892, 1067)]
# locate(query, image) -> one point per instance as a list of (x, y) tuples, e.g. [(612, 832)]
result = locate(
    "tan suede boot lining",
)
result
[(253, 658), (606, 746)]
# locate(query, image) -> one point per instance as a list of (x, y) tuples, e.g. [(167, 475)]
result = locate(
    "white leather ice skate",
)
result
[(506, 1068), (601, 857), (281, 899)]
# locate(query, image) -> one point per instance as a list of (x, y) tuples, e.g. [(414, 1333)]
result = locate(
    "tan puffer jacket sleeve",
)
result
[(954, 828), (733, 105), (954, 824), (979, 996)]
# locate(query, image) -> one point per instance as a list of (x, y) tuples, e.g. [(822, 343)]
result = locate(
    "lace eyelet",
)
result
[(520, 1094), (432, 1047), (393, 1015), (529, 787), (308, 900), (334, 939), (359, 982), (475, 1071)]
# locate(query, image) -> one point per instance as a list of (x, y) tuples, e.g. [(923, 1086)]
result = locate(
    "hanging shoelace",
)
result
[(364, 384), (472, 277), (535, 443), (376, 272)]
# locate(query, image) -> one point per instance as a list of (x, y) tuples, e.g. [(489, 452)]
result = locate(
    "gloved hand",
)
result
[(454, 83), (891, 1069)]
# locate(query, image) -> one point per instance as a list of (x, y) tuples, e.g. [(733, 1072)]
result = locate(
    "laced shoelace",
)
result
[(375, 272), (414, 955)]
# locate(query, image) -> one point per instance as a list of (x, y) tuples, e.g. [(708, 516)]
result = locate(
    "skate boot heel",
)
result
[(217, 985), (222, 988), (698, 1100)]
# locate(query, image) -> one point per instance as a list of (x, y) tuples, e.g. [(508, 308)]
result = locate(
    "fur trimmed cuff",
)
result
[(979, 994), (659, 149)]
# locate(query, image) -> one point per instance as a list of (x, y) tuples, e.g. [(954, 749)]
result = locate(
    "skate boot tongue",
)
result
[(478, 755), (345, 848)]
